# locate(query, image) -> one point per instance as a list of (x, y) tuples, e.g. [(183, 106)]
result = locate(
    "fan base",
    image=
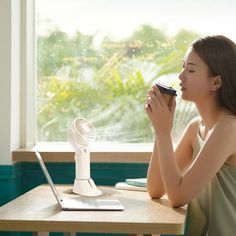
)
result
[(86, 187)]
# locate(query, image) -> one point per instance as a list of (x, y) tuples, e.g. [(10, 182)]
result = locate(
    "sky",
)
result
[(119, 18)]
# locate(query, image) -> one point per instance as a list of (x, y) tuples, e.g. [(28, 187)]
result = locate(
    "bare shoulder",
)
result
[(189, 136), (226, 128), (227, 125), (194, 123), (193, 127)]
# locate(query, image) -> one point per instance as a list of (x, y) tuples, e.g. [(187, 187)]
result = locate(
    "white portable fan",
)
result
[(81, 133)]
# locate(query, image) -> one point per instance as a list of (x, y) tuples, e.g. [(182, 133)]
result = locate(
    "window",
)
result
[(97, 59)]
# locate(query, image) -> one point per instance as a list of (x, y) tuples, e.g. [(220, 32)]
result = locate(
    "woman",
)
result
[(201, 171)]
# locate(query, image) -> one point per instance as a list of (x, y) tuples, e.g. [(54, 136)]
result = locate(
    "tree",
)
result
[(107, 85)]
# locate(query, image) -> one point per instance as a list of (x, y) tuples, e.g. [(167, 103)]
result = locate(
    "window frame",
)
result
[(55, 151), (17, 126), (28, 75), (28, 141)]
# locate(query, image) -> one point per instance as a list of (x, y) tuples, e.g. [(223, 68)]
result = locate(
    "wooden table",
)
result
[(37, 211)]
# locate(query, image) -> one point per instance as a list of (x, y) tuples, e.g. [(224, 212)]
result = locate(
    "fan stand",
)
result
[(83, 184)]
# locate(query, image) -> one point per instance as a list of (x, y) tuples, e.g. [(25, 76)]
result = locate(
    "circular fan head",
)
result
[(84, 132)]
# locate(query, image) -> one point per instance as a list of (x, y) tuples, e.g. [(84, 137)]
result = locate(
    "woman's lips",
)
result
[(182, 88)]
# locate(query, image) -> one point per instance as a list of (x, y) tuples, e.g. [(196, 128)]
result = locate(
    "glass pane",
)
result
[(97, 60)]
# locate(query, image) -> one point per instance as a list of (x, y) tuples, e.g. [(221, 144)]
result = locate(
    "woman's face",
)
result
[(195, 79)]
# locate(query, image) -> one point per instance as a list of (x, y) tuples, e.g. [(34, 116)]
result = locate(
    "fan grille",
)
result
[(84, 131)]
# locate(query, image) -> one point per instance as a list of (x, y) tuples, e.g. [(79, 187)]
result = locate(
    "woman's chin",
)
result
[(185, 97)]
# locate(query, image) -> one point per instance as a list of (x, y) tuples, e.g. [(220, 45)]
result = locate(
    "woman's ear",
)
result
[(216, 83)]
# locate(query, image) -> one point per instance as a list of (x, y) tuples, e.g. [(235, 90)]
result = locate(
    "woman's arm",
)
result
[(183, 155), (181, 188), (155, 186)]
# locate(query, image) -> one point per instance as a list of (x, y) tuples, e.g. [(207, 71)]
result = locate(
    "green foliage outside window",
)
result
[(106, 83)]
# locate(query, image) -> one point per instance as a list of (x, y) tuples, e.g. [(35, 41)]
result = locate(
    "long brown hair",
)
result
[(219, 53)]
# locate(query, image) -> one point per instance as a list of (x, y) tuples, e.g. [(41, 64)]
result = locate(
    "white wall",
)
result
[(9, 79)]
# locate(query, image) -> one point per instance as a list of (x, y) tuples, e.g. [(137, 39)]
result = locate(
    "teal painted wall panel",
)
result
[(10, 185), (64, 173), (10, 182), (111, 173)]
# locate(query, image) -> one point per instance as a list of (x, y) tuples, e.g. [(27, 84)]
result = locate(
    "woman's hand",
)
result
[(160, 114)]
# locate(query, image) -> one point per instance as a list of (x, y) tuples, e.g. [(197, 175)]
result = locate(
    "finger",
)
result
[(148, 108), (156, 89), (149, 114), (153, 102), (158, 95), (153, 98), (172, 104), (150, 91), (149, 98)]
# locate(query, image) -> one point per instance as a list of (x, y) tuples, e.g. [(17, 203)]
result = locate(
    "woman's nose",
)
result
[(181, 75)]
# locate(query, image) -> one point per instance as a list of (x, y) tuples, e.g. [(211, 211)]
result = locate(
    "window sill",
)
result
[(100, 153)]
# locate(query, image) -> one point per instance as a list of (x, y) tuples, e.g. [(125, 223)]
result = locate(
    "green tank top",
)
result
[(213, 211)]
